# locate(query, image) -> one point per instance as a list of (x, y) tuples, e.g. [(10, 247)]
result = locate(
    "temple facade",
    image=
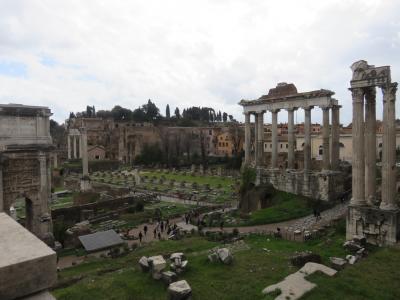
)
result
[(325, 183)]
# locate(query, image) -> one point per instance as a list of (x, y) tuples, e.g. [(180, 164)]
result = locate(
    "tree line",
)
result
[(149, 112)]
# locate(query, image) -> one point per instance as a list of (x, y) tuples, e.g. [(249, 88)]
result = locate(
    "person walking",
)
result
[(140, 237), (145, 230), (155, 232)]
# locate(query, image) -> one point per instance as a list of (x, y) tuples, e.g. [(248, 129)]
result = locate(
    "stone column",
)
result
[(291, 138), (370, 145), (260, 138), (307, 138), (80, 146), (335, 155), (247, 138), (69, 146), (75, 147), (85, 167), (358, 163), (55, 162), (274, 137), (255, 138), (389, 197), (325, 138)]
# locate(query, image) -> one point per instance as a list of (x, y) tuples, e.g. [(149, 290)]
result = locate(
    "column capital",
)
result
[(326, 108), (357, 94), (275, 111), (389, 90), (292, 108)]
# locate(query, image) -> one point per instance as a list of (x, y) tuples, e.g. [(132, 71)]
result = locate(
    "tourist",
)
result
[(145, 230), (140, 237), (155, 232), (159, 236), (221, 225), (162, 226)]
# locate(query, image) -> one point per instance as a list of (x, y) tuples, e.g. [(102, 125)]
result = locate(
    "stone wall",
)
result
[(379, 227), (326, 185)]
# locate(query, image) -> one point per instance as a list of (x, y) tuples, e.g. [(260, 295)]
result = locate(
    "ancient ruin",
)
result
[(379, 224), (325, 184), (25, 158)]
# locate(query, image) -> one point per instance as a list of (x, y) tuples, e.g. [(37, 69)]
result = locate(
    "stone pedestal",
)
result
[(85, 184), (379, 227)]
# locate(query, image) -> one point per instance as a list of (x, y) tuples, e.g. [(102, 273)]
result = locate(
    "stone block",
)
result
[(169, 277), (338, 263), (225, 255), (144, 264), (27, 265), (179, 290)]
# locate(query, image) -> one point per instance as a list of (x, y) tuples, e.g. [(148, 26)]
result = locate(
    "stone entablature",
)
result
[(24, 125)]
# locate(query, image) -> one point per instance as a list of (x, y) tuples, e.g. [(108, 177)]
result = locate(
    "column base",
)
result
[(85, 184), (379, 227), (388, 206)]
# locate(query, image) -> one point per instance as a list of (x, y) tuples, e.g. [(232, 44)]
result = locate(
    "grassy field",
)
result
[(284, 206), (253, 269)]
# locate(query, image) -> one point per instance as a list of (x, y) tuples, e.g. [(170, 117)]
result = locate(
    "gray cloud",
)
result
[(208, 53)]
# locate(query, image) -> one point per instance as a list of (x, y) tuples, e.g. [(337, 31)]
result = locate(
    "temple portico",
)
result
[(285, 99), (74, 139), (379, 224)]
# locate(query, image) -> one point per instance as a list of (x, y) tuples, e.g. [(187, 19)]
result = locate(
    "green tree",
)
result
[(177, 113), (167, 113), (151, 111)]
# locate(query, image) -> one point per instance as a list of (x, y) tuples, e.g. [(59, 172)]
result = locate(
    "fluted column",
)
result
[(307, 138), (255, 138), (370, 145), (260, 138), (69, 146), (291, 138), (75, 147), (389, 197), (247, 138), (335, 137), (358, 163), (326, 161), (274, 156), (80, 146)]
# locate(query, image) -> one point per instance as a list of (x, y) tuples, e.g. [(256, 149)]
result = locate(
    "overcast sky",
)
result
[(73, 53)]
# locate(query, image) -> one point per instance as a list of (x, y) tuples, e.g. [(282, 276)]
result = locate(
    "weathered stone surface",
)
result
[(27, 265), (302, 258), (144, 264), (225, 255), (352, 246), (351, 259), (157, 264), (168, 277), (295, 285), (179, 290), (213, 257), (338, 263)]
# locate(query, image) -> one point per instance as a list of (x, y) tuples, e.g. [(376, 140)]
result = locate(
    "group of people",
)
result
[(160, 228)]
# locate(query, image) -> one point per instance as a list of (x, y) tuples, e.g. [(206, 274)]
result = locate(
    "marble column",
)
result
[(75, 147), (247, 138), (335, 155), (326, 161), (69, 146), (80, 146), (274, 138), (307, 138), (260, 138), (358, 162), (291, 138), (255, 138), (370, 145), (85, 167), (389, 196)]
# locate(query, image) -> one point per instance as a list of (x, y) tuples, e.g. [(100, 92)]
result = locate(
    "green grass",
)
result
[(285, 206), (375, 277)]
